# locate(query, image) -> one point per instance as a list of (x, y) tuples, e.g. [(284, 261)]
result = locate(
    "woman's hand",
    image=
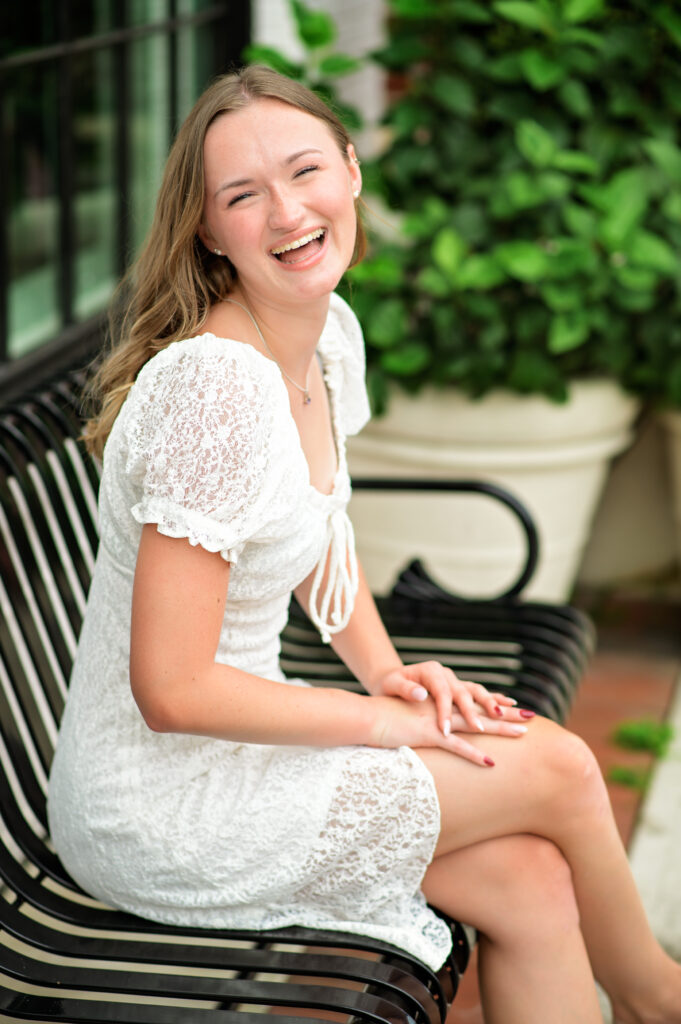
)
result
[(473, 706), (415, 724)]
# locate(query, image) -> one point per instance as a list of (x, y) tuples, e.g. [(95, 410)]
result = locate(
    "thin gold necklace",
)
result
[(304, 390)]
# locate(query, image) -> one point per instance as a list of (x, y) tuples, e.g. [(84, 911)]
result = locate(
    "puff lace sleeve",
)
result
[(201, 434)]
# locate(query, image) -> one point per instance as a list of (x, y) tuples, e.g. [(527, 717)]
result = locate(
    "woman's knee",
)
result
[(571, 776)]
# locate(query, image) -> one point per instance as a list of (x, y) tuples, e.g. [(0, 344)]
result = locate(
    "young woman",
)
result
[(193, 783)]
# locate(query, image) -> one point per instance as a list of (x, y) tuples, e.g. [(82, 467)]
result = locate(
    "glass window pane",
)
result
[(33, 219), (90, 17), (94, 201), (142, 12), (149, 128), (28, 26), (195, 67)]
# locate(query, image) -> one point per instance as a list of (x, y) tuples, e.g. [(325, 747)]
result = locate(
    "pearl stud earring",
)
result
[(356, 193), (218, 252)]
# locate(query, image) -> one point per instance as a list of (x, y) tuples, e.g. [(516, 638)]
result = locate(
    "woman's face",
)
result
[(279, 201)]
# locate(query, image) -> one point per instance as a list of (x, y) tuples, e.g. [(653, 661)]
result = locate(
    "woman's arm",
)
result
[(178, 606)]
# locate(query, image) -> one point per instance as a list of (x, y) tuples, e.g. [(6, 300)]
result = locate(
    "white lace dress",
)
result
[(198, 831)]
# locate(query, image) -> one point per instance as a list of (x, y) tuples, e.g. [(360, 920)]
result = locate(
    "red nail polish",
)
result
[(526, 714), (489, 762), (498, 709)]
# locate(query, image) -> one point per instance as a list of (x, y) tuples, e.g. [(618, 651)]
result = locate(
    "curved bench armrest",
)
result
[(483, 487)]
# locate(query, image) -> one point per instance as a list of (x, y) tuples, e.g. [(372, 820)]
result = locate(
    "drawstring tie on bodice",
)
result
[(338, 562)]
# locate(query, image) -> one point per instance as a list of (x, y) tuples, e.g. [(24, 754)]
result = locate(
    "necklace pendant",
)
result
[(306, 397)]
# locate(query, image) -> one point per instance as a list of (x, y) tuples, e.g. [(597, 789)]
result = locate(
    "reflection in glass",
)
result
[(94, 201), (149, 128), (33, 214)]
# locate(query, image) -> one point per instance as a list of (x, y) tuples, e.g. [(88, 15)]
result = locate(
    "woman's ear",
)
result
[(206, 237), (353, 168)]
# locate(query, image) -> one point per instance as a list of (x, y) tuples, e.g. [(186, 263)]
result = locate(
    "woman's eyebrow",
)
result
[(248, 181)]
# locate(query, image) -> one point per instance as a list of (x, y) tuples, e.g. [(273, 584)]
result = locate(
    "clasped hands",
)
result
[(430, 706)]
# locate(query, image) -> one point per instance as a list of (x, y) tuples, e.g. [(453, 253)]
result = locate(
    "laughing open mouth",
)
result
[(301, 248)]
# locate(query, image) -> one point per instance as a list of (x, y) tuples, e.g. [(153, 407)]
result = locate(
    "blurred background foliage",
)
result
[(532, 152)]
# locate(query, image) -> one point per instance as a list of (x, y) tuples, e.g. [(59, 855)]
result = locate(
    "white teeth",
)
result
[(298, 242)]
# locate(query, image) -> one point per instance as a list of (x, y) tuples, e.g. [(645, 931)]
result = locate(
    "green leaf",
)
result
[(448, 251), (540, 70), (645, 249), (433, 283), (576, 11), (424, 222), (382, 271), (407, 360), (623, 200), (638, 279), (562, 298), (529, 15), (579, 220), (535, 143), (666, 155), (671, 207), (468, 10), (568, 331), (415, 8), (644, 734), (387, 325), (479, 271), (271, 58), (523, 260), (575, 162), (553, 185), (632, 778), (338, 64), (671, 22), (634, 302), (522, 192), (533, 371), (576, 98), (315, 28), (454, 94)]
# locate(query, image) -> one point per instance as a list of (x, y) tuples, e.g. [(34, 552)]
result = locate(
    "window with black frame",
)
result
[(91, 92)]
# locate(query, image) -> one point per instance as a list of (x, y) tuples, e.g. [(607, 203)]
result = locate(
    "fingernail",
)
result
[(419, 693), (489, 762), (526, 714), (518, 730), (447, 728), (478, 724), (514, 702), (497, 710)]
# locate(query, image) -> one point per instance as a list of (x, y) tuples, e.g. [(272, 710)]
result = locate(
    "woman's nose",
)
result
[(285, 209)]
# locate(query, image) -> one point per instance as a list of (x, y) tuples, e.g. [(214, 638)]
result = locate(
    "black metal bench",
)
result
[(66, 957)]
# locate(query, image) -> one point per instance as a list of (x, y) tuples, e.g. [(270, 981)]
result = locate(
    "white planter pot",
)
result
[(672, 421), (553, 457)]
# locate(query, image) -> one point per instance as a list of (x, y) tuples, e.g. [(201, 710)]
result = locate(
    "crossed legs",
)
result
[(529, 854)]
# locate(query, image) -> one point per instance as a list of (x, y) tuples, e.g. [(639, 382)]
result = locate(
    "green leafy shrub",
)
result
[(534, 151), (644, 734)]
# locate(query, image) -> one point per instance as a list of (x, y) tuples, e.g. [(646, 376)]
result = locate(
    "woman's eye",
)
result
[(236, 199), (306, 170)]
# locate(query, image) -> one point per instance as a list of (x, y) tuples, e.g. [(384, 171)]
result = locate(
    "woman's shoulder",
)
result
[(203, 380), (206, 356)]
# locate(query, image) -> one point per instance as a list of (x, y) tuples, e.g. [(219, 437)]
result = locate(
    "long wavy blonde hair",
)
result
[(167, 293)]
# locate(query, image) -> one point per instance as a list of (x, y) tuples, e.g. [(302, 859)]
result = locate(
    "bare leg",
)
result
[(518, 893), (548, 784)]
